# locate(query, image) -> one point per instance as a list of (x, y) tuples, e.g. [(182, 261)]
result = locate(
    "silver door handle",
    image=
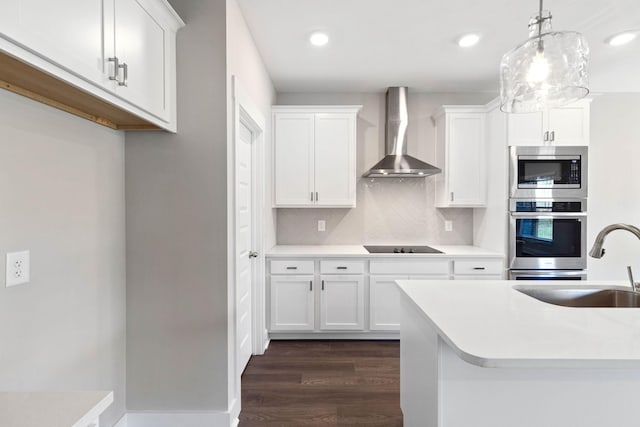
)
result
[(292, 268), (341, 268), (546, 136), (116, 68), (253, 254), (452, 196), (312, 196), (317, 196), (553, 135), (311, 285), (478, 268), (125, 74), (323, 285)]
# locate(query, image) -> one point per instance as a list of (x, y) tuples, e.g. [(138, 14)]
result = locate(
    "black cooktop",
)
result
[(402, 250)]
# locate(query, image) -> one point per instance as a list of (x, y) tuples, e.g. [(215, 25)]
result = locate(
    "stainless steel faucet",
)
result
[(597, 251)]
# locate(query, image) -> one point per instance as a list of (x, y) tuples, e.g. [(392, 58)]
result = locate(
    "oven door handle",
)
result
[(545, 215)]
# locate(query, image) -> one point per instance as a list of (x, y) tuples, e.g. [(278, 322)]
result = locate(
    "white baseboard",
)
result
[(177, 419)]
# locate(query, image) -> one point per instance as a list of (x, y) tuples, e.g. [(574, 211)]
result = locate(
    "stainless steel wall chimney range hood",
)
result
[(397, 163)]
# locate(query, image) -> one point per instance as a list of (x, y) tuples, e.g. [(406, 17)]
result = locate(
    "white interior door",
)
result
[(244, 242)]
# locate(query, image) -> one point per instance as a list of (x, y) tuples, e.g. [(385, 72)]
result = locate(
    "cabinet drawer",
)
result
[(478, 267), (440, 266), (341, 267), (291, 267)]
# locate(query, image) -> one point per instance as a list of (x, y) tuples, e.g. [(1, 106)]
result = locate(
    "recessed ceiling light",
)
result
[(319, 39), (622, 38), (469, 40)]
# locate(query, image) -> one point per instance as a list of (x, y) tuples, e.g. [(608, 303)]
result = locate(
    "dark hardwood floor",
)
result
[(323, 383)]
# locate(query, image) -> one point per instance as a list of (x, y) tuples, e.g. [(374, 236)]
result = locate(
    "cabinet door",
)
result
[(140, 43), (569, 125), (526, 129), (292, 303), (335, 150), (342, 303), (293, 138), (466, 172), (384, 303), (66, 32)]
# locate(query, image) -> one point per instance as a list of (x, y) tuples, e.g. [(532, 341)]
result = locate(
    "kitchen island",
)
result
[(483, 354)]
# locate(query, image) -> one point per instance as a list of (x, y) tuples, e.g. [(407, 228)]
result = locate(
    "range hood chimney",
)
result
[(397, 163)]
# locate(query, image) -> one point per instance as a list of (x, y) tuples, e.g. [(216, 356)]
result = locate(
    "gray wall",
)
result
[(177, 233), (614, 182), (390, 210), (62, 187)]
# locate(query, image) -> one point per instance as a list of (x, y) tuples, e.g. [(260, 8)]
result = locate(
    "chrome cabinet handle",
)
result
[(116, 68), (312, 196), (478, 268), (311, 285), (317, 196), (553, 135), (292, 268), (125, 74), (341, 268), (452, 196), (323, 285), (546, 136), (253, 254)]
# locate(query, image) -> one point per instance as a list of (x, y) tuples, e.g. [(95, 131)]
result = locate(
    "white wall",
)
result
[(246, 68), (176, 188), (614, 182), (389, 210), (62, 187), (179, 328)]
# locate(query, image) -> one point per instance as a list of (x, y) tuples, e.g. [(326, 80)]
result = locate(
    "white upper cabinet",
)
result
[(460, 153), (315, 156), (558, 126), (66, 32), (120, 51), (140, 45), (294, 160)]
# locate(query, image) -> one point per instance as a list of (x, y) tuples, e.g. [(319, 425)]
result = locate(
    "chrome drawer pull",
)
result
[(292, 268), (478, 268), (341, 268)]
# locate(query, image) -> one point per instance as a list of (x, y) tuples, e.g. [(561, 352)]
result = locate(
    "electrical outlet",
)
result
[(448, 226), (322, 225), (17, 268)]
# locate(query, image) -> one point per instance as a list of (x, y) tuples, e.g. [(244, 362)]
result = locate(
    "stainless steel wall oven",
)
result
[(547, 234)]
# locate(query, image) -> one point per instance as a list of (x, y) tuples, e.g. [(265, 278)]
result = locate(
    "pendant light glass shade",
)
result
[(547, 70)]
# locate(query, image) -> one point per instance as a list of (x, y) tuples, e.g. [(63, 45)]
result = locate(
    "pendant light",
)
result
[(548, 70)]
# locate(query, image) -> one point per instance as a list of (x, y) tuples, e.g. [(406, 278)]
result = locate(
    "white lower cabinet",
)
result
[(384, 303), (342, 302), (384, 300), (331, 296), (292, 303)]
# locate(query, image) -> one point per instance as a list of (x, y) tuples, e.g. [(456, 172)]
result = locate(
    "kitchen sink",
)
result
[(584, 297)]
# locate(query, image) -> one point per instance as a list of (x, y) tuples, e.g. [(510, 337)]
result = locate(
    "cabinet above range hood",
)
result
[(397, 163)]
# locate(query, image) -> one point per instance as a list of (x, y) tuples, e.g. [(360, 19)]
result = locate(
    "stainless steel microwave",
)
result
[(548, 172)]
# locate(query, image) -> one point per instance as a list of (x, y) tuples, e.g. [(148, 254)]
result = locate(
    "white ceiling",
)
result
[(380, 43)]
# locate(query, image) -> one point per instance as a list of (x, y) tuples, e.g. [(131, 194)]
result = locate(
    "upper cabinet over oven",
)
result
[(121, 52), (567, 125)]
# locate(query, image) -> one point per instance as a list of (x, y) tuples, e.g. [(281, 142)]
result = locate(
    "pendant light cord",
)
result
[(540, 20)]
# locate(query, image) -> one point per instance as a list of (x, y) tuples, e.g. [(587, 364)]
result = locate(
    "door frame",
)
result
[(247, 113)]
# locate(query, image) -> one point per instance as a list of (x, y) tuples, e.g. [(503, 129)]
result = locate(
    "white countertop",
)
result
[(307, 251), (489, 324), (52, 409)]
